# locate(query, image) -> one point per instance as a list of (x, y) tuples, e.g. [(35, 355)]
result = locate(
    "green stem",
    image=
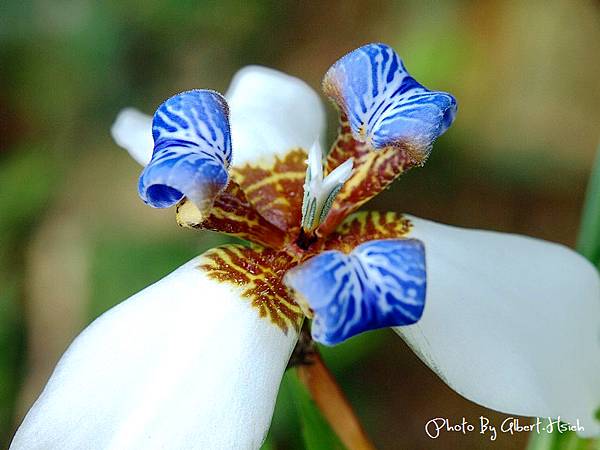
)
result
[(588, 243)]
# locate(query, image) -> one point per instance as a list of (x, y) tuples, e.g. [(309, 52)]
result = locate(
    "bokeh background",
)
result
[(75, 239)]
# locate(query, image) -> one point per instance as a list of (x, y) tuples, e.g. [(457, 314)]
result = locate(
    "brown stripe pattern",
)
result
[(259, 272), (276, 189)]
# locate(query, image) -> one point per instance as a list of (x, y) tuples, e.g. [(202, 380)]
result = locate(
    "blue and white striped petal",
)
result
[(381, 283), (385, 106), (192, 150)]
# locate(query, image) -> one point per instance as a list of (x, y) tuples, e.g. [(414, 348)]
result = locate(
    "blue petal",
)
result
[(379, 284), (192, 150), (384, 104)]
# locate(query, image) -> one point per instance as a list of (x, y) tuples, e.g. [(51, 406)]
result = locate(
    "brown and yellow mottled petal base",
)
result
[(232, 214), (276, 189), (373, 172), (259, 272), (366, 226)]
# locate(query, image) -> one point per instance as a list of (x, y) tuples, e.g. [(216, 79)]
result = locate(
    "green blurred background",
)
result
[(77, 240)]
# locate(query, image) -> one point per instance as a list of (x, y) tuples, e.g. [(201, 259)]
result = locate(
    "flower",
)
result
[(195, 360)]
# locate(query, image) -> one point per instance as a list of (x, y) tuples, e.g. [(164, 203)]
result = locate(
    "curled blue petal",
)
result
[(381, 283), (385, 106), (192, 150)]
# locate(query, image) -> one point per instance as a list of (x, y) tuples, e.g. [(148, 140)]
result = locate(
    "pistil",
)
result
[(319, 191)]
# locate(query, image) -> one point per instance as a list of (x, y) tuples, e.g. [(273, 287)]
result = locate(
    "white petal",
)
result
[(511, 323), (132, 130), (271, 113), (184, 364)]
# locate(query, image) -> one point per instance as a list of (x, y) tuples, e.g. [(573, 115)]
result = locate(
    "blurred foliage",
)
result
[(11, 342), (28, 181), (125, 265), (29, 178), (525, 75), (316, 431)]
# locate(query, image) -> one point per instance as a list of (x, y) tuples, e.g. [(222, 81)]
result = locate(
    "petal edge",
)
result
[(511, 322), (185, 363)]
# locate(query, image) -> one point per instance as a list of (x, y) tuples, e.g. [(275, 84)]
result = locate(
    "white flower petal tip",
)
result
[(511, 323), (271, 113), (132, 131), (184, 364)]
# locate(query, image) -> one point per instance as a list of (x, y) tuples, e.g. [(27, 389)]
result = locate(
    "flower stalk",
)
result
[(328, 395)]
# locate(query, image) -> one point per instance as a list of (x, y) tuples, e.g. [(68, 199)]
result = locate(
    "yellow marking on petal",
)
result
[(188, 215)]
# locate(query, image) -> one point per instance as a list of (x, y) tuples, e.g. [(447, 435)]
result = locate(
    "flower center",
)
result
[(319, 191)]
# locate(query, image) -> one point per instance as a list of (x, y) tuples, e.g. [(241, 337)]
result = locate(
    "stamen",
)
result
[(319, 192)]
